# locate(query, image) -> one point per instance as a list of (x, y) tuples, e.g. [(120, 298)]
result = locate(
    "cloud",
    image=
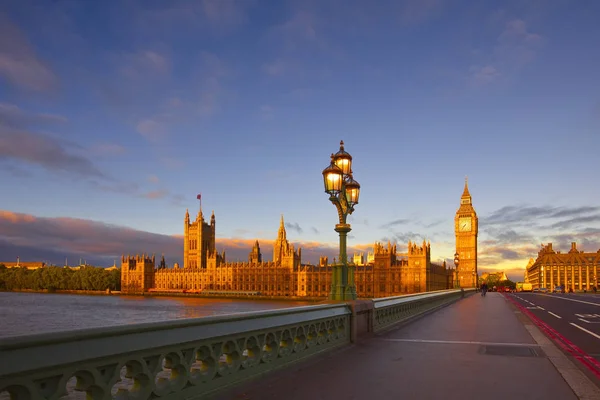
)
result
[(576, 222), (156, 194), (514, 48), (526, 215), (394, 223), (19, 64), (482, 75), (14, 117), (107, 149), (78, 237), (294, 227), (151, 130), (19, 142), (144, 64), (153, 179), (45, 151), (213, 16)]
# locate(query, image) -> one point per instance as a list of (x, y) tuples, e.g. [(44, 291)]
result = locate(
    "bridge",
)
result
[(443, 344)]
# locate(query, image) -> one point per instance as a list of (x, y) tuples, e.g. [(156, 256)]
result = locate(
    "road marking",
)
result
[(459, 342), (585, 330), (578, 301), (541, 308), (551, 313), (581, 319)]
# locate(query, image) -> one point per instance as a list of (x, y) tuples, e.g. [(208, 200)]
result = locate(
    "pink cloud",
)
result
[(151, 130)]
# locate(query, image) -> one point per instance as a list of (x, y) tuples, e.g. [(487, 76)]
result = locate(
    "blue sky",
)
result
[(117, 114)]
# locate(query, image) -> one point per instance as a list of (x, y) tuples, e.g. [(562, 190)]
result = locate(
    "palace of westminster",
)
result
[(384, 272)]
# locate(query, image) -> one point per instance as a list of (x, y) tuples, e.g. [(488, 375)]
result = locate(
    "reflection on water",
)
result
[(31, 313)]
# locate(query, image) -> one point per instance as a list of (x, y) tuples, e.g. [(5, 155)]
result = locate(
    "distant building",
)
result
[(21, 264), (574, 270), (385, 272), (494, 276)]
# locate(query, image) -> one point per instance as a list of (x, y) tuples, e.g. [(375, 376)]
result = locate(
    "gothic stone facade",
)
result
[(386, 273)]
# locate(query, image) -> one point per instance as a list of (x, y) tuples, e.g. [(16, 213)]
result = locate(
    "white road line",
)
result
[(585, 330), (541, 308), (578, 301), (551, 313), (581, 319), (459, 342)]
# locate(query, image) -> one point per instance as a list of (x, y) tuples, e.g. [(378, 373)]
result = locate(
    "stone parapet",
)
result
[(194, 357)]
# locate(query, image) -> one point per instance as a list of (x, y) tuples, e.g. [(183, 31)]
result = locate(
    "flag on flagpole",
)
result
[(199, 197)]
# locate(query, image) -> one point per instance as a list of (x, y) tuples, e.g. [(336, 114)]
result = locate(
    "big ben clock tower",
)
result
[(465, 228)]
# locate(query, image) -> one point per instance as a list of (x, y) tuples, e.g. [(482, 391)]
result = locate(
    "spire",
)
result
[(466, 191), (281, 234), (187, 214)]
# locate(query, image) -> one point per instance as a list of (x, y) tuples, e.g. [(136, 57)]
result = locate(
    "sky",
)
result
[(115, 115)]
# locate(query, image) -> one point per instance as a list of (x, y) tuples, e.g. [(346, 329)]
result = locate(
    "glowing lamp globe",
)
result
[(343, 159), (333, 179), (352, 192)]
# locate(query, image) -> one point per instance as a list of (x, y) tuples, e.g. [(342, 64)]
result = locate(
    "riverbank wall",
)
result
[(173, 294)]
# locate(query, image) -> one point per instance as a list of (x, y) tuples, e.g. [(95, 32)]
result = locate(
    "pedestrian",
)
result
[(484, 288)]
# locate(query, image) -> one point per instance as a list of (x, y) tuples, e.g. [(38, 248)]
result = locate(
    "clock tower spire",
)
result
[(466, 228)]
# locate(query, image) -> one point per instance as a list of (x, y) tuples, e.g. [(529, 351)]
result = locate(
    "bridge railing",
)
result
[(190, 358), (392, 310)]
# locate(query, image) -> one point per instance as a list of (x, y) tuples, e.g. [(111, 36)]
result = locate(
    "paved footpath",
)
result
[(478, 347)]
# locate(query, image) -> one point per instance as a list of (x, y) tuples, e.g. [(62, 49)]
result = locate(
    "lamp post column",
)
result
[(343, 287), (343, 192)]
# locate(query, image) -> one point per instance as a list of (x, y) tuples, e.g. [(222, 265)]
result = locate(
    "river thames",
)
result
[(33, 313)]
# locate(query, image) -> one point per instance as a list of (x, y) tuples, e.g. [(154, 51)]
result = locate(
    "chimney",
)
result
[(573, 246)]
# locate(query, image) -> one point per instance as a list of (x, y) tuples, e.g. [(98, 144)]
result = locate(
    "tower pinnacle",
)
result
[(466, 191)]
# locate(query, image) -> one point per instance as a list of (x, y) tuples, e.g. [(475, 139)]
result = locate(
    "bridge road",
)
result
[(575, 317), (475, 347)]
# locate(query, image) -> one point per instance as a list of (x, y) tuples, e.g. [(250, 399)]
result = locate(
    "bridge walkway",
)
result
[(474, 348)]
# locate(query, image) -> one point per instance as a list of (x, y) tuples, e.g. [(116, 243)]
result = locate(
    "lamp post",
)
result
[(456, 264), (343, 192)]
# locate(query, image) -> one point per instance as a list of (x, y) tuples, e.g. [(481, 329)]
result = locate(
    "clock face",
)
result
[(464, 224)]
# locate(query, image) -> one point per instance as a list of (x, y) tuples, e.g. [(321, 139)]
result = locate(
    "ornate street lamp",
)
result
[(343, 192), (456, 264)]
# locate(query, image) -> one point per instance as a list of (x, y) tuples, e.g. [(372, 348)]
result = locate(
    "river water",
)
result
[(32, 313)]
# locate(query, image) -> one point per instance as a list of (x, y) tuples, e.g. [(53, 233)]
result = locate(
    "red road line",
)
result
[(589, 362)]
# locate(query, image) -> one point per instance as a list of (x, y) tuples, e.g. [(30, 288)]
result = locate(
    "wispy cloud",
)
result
[(19, 64), (151, 130), (394, 223), (18, 142), (514, 48), (294, 226), (14, 117), (217, 17), (45, 151), (144, 64), (524, 214), (107, 149)]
